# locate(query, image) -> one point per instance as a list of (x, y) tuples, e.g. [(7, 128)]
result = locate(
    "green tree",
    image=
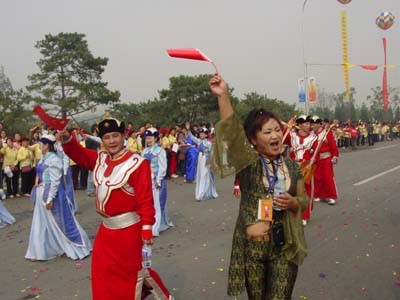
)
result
[(189, 99), (364, 113), (5, 83), (14, 113), (253, 100), (345, 109), (13, 107), (376, 102), (70, 76)]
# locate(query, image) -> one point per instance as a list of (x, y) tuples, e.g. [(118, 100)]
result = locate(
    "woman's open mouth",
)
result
[(275, 145)]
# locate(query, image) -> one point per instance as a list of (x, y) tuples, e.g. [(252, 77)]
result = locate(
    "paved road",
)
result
[(354, 247)]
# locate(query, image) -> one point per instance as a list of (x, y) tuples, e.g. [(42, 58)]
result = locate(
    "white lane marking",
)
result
[(376, 176), (377, 149)]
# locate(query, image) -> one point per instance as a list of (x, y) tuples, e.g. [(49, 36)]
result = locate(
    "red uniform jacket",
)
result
[(122, 185)]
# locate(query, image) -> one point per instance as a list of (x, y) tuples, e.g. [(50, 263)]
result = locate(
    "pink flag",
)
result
[(190, 53)]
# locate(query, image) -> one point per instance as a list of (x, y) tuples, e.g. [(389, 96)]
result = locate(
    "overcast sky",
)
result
[(256, 44)]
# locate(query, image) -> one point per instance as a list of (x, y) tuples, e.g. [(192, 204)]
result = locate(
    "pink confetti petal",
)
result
[(42, 270), (397, 282), (35, 288)]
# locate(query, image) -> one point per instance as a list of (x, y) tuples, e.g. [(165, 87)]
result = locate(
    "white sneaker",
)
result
[(174, 176), (304, 222), (317, 199), (331, 201)]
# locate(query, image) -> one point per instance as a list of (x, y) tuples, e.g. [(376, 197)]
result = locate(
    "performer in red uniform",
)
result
[(124, 198), (324, 182), (300, 142)]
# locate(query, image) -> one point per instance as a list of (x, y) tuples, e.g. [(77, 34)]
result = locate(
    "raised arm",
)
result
[(219, 88), (82, 156)]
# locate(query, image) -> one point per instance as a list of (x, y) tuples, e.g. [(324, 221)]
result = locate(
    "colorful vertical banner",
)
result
[(312, 89), (385, 95), (301, 90), (345, 54)]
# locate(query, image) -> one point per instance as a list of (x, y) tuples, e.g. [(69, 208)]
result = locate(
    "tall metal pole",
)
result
[(304, 58)]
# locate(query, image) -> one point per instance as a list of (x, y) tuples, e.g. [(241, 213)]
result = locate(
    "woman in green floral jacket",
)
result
[(266, 269)]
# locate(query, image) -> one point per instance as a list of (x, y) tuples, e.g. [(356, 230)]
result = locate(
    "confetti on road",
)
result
[(322, 275)]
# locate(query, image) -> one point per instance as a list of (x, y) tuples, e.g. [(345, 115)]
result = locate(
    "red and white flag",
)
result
[(190, 53)]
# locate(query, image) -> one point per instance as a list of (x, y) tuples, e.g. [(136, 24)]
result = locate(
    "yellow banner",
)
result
[(345, 55)]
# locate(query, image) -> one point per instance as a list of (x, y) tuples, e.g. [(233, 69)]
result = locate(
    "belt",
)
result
[(324, 155), (121, 221), (260, 238)]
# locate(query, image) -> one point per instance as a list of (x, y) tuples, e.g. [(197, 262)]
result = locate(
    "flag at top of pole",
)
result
[(190, 53)]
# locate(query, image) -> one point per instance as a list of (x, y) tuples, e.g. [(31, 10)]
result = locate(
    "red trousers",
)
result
[(172, 163)]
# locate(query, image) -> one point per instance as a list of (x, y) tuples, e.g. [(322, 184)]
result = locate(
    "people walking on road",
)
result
[(124, 199), (266, 252), (205, 185), (10, 167), (54, 230), (300, 142), (192, 154), (157, 158), (324, 188)]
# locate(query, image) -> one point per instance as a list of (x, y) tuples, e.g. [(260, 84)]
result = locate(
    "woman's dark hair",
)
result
[(51, 148), (255, 121)]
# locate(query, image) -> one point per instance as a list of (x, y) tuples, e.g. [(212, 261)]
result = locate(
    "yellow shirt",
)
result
[(25, 157), (385, 129), (164, 143), (37, 152), (10, 156), (172, 139), (134, 146), (339, 133)]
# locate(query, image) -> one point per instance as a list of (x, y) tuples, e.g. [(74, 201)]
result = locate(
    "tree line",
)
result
[(69, 82)]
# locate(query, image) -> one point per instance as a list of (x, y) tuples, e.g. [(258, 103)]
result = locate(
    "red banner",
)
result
[(368, 67), (56, 123), (384, 80)]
